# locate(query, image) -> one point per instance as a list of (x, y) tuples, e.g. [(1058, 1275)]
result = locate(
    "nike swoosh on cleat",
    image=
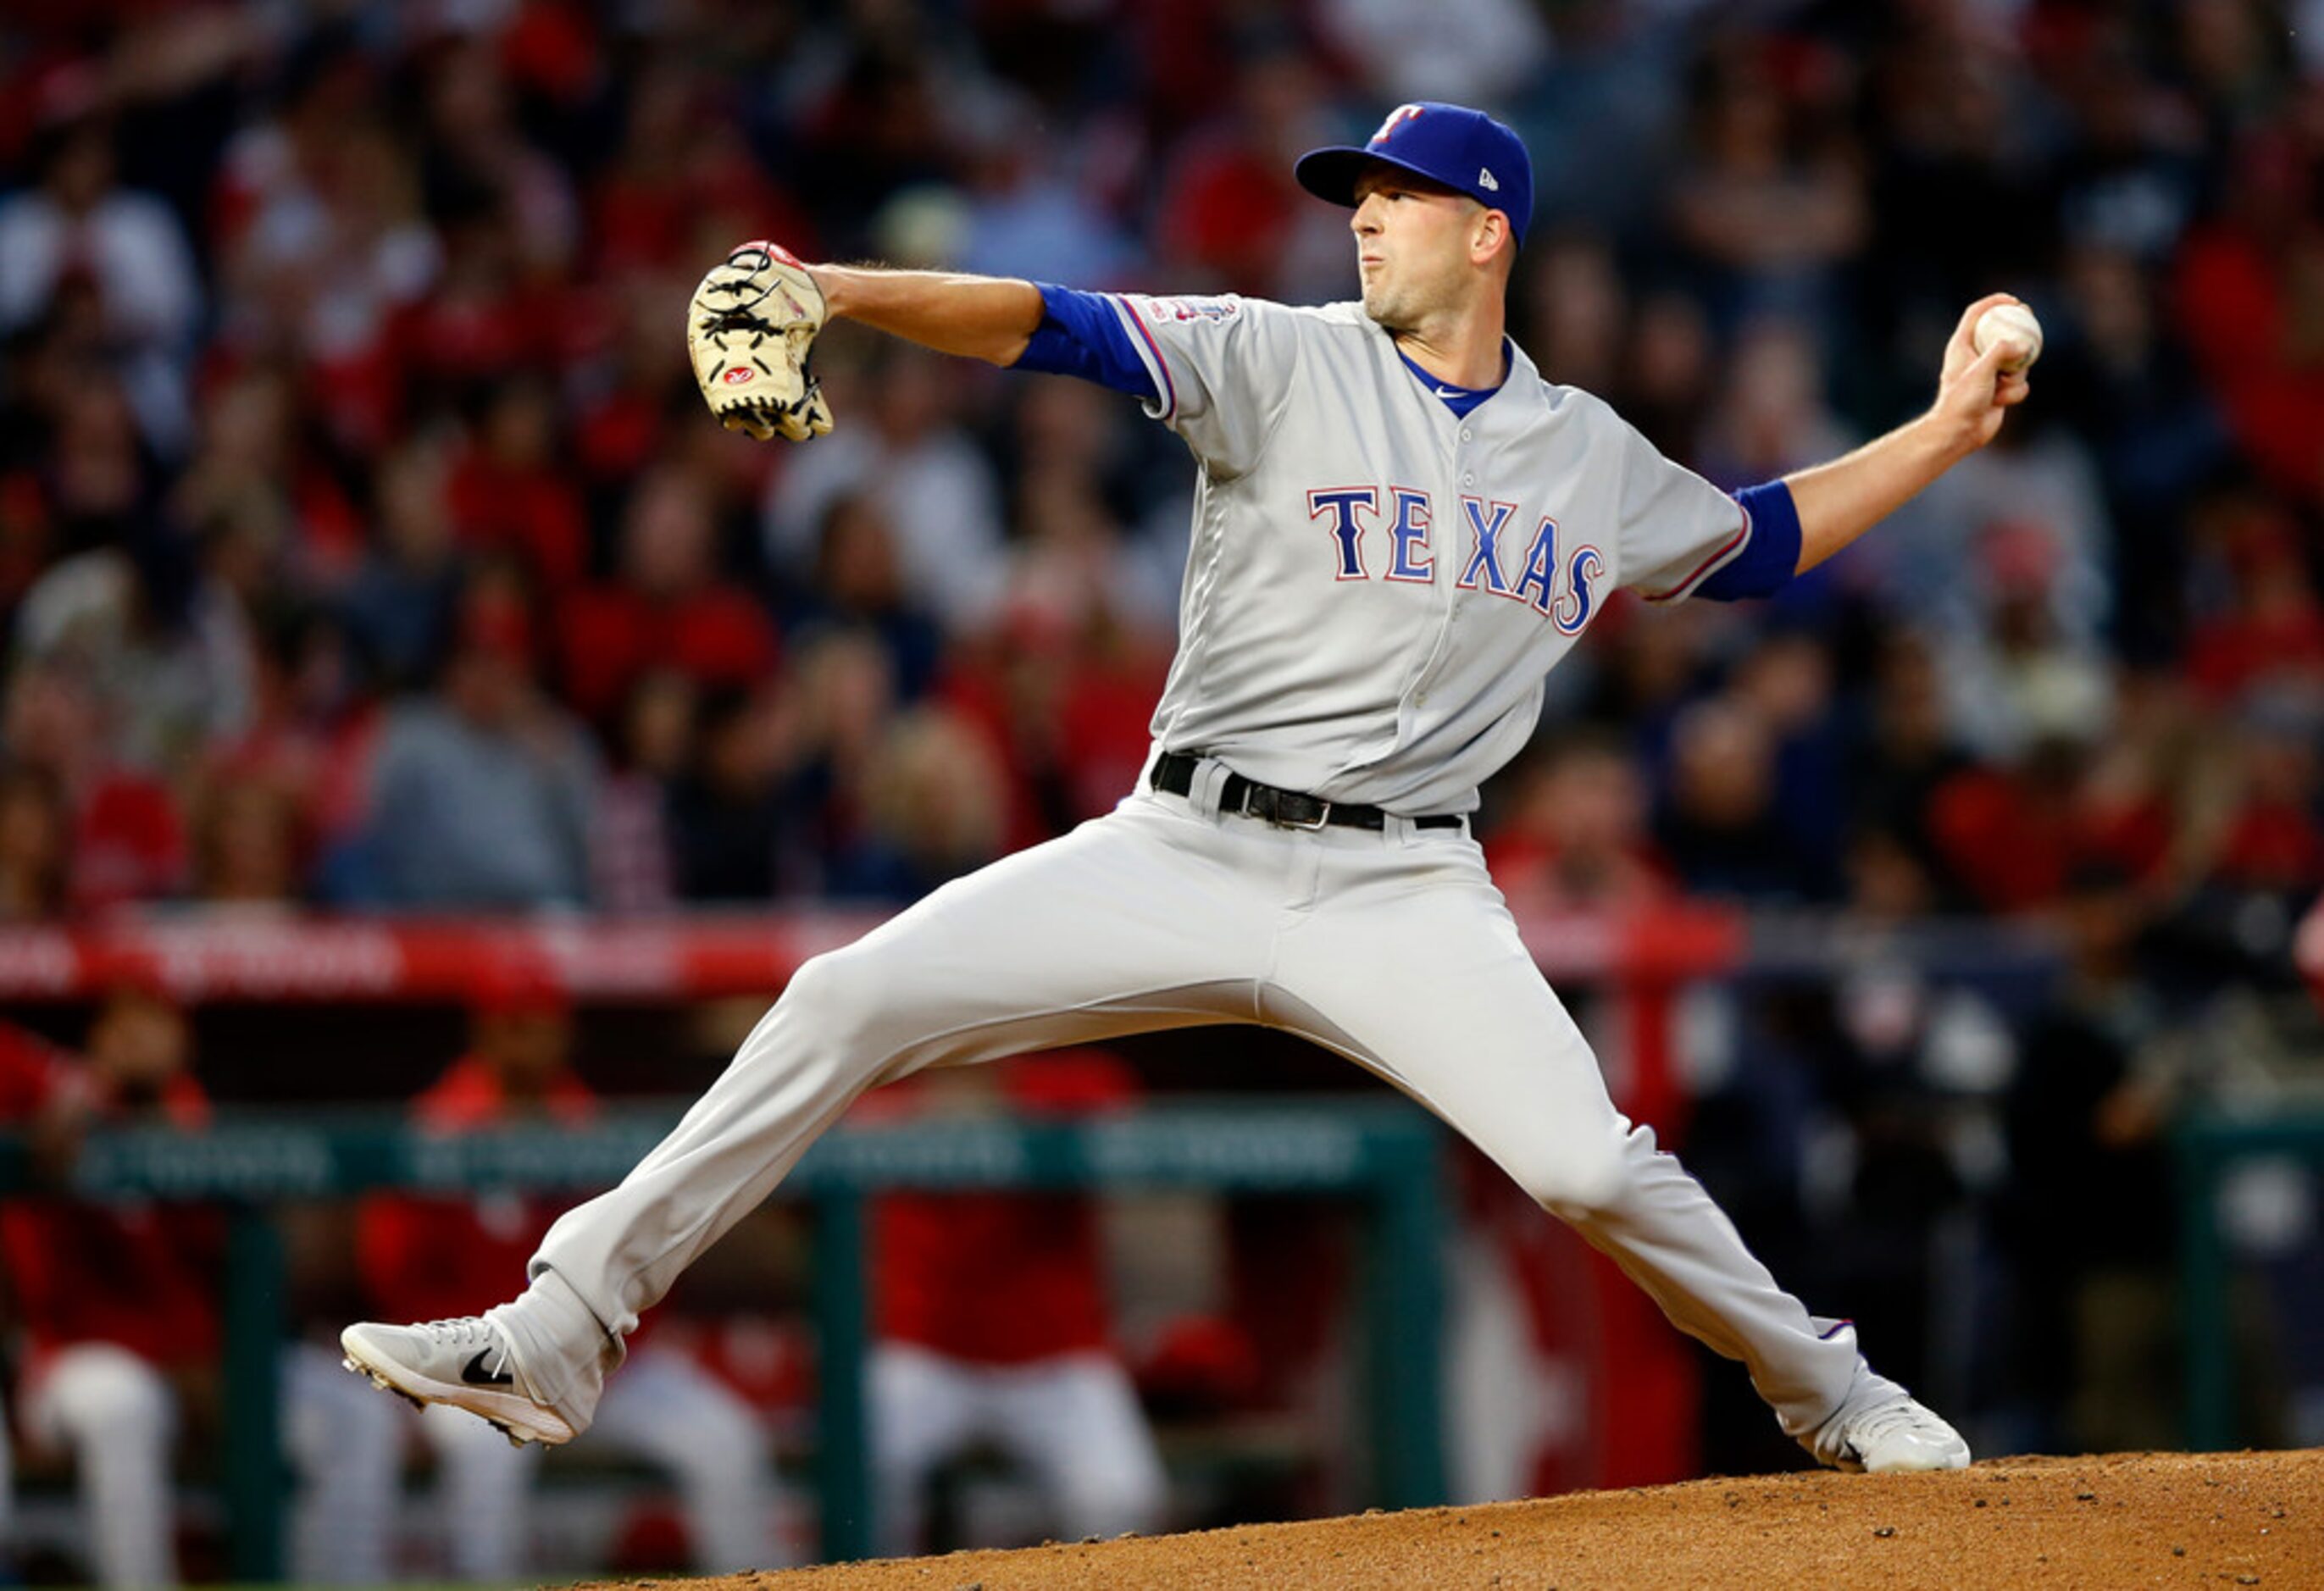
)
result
[(475, 1374)]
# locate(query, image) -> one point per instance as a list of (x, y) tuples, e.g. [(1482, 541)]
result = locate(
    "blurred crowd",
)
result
[(360, 543), (364, 544)]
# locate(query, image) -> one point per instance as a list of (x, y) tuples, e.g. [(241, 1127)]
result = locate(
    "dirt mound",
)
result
[(2132, 1519)]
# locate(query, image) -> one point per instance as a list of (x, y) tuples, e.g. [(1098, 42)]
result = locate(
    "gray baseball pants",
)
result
[(1391, 947)]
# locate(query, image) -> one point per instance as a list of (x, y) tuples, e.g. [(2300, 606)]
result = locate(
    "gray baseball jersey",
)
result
[(1376, 586)]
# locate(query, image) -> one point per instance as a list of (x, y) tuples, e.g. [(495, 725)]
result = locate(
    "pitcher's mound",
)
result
[(2214, 1520)]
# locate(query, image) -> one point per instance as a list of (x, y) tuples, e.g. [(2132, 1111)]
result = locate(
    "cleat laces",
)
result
[(468, 1332)]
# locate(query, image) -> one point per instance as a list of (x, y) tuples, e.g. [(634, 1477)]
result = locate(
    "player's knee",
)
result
[(834, 995), (1580, 1183)]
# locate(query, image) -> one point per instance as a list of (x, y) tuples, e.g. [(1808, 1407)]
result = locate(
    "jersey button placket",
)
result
[(1445, 580)]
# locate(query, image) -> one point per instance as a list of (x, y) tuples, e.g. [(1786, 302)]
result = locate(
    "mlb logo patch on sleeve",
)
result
[(1162, 311)]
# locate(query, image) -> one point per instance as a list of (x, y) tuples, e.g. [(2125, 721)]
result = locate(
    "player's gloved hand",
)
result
[(748, 329)]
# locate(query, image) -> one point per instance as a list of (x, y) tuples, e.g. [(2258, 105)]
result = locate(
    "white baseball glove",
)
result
[(749, 328)]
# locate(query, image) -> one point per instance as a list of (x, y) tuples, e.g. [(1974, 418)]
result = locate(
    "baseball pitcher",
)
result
[(1399, 526)]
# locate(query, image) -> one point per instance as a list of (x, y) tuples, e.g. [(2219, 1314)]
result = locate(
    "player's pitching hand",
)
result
[(1975, 390), (748, 329)]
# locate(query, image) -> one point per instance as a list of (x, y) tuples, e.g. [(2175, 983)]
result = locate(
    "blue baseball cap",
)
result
[(1465, 150)]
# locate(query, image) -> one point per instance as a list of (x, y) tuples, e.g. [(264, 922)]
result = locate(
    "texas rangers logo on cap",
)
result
[(1402, 113), (1464, 149)]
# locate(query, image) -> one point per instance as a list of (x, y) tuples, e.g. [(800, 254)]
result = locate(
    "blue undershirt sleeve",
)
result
[(1082, 334), (1771, 558)]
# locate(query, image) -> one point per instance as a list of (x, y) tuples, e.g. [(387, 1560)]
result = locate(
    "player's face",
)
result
[(1412, 240)]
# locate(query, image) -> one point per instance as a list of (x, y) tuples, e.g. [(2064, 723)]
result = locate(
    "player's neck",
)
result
[(1461, 347)]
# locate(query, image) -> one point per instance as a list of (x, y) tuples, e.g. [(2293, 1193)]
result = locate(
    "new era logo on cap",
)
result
[(1465, 150)]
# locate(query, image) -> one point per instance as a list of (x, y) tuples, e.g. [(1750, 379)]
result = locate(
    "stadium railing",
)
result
[(1385, 1154)]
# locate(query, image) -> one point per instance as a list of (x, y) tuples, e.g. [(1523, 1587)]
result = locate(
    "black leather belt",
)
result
[(1174, 772)]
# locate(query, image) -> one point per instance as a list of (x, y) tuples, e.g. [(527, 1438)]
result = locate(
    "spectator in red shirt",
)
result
[(1228, 213), (1575, 838), (677, 160), (2269, 628), (2012, 837), (40, 1089), (668, 606), (2248, 304), (621, 423), (508, 490), (993, 1326), (117, 1300), (432, 1258), (2270, 841), (36, 1088)]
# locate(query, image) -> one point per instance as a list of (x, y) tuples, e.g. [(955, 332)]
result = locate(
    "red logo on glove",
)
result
[(738, 375)]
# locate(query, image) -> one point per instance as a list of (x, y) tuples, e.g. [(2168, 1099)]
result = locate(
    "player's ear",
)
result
[(1490, 234)]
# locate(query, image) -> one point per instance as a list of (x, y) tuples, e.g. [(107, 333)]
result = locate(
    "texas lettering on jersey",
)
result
[(1375, 584), (1562, 589)]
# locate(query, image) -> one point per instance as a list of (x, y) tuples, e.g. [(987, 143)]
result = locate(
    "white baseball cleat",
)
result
[(1891, 1437), (465, 1363)]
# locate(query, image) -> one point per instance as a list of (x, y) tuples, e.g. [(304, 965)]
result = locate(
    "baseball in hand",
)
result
[(2009, 323)]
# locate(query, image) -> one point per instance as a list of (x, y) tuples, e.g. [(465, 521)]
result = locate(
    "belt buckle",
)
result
[(1265, 803), (1323, 815)]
